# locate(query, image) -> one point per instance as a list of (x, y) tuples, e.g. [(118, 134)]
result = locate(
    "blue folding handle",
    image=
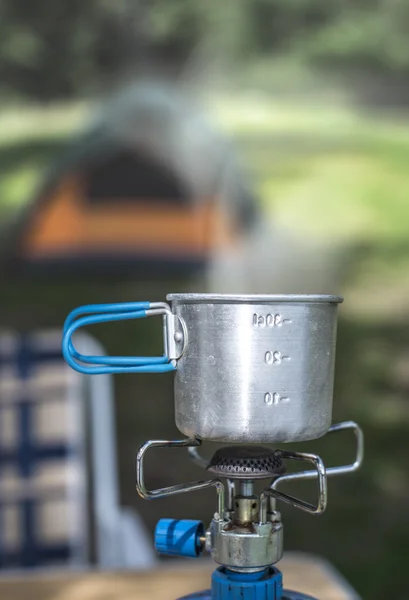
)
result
[(103, 313)]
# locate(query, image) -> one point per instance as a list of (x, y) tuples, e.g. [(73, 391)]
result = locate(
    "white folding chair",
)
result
[(50, 417)]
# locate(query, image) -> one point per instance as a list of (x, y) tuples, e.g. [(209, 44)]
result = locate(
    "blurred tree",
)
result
[(59, 48), (62, 48), (365, 34)]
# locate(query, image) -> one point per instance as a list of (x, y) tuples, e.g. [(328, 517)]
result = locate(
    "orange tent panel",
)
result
[(67, 224)]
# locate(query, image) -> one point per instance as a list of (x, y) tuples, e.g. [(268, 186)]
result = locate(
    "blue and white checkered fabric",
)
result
[(43, 501)]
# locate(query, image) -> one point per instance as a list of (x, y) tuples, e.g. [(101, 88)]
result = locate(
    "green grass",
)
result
[(30, 139), (331, 172)]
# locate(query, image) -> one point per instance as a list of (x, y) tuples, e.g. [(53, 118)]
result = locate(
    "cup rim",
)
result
[(189, 298)]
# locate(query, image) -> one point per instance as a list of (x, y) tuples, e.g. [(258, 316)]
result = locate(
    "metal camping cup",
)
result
[(248, 369)]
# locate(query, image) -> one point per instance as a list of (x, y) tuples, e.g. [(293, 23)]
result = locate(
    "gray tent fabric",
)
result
[(157, 119)]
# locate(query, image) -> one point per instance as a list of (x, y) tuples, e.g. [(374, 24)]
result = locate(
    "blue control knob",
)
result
[(179, 537)]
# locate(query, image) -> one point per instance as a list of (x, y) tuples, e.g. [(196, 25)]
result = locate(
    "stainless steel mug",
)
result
[(247, 368), (255, 368)]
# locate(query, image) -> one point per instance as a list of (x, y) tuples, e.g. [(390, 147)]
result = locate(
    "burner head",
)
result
[(247, 462)]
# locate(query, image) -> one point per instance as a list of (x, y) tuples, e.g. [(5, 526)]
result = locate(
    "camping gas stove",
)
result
[(251, 372)]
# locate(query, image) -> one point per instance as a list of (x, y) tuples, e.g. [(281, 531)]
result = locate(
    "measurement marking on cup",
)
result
[(269, 320), (274, 398), (274, 358)]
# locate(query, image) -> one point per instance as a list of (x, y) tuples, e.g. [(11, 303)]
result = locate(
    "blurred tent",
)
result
[(149, 184)]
